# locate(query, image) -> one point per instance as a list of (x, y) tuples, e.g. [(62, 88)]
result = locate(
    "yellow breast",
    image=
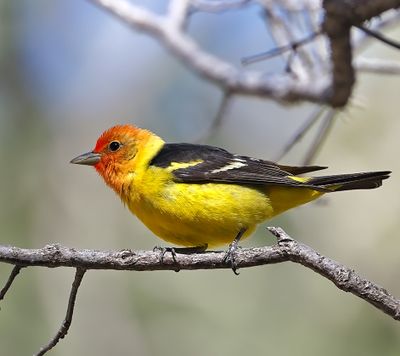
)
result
[(196, 214)]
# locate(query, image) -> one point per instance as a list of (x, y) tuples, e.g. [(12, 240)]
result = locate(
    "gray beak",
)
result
[(89, 159)]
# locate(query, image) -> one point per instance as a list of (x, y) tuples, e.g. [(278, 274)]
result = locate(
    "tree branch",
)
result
[(218, 118), (379, 36), (285, 250), (178, 13), (282, 87), (322, 134), (15, 271), (377, 65), (343, 277), (279, 50), (340, 16), (299, 134), (62, 332), (217, 6), (313, 86)]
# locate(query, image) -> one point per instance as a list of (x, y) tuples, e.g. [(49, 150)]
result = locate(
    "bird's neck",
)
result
[(126, 184)]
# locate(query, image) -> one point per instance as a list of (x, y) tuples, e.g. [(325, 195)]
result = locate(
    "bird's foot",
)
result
[(230, 255), (175, 250), (163, 251)]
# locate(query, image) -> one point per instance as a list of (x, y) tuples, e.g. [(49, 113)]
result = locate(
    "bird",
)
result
[(201, 196)]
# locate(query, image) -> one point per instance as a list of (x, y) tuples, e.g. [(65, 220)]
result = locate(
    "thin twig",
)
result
[(315, 115), (389, 18), (379, 36), (15, 271), (178, 13), (326, 125), (277, 51), (218, 6), (62, 332), (298, 63), (218, 119), (377, 65)]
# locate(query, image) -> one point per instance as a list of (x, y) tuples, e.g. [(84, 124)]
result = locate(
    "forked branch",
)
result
[(332, 86)]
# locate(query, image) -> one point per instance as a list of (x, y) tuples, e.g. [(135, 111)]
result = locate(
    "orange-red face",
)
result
[(114, 152)]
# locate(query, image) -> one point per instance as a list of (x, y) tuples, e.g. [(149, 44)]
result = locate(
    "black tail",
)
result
[(365, 180)]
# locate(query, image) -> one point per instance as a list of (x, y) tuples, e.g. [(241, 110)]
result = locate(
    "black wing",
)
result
[(218, 165)]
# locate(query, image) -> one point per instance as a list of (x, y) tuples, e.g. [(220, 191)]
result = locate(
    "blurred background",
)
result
[(68, 71)]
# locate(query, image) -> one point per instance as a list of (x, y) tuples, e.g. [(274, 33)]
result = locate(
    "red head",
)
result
[(119, 151)]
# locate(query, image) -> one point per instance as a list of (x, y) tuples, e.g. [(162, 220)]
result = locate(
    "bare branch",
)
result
[(59, 256), (134, 15), (62, 332), (299, 84), (343, 277), (219, 117), (285, 250), (326, 125), (340, 16), (315, 115), (282, 87), (178, 13), (217, 6), (377, 65), (385, 20), (297, 62), (343, 76), (379, 36), (279, 50), (15, 271)]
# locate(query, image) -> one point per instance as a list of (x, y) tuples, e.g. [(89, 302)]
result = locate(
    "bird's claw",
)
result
[(230, 256), (163, 251)]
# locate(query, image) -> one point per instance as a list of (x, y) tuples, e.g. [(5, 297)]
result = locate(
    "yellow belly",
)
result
[(209, 214)]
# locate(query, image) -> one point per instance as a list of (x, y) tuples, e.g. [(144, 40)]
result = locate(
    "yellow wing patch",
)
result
[(299, 179), (178, 165)]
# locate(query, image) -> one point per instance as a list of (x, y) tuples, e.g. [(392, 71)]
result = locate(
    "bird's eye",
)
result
[(114, 146)]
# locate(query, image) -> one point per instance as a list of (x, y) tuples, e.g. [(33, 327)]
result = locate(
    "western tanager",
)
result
[(201, 196)]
